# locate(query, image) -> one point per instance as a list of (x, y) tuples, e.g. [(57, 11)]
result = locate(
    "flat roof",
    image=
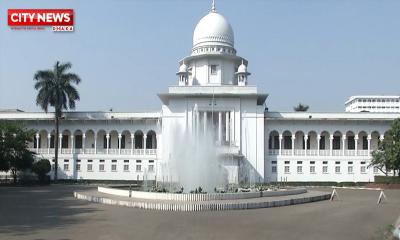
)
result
[(79, 115), (331, 116)]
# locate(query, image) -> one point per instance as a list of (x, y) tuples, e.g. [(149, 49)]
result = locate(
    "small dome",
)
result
[(242, 68), (213, 29), (183, 68)]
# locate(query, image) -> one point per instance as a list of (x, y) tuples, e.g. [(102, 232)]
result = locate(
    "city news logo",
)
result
[(60, 20)]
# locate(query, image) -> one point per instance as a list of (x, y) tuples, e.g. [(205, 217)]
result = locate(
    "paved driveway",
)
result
[(52, 213)]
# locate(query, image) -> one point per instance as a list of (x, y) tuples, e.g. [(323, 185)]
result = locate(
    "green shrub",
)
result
[(387, 179), (41, 168)]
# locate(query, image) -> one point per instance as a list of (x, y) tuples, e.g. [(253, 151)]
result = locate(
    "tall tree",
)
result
[(301, 108), (56, 89), (14, 153), (387, 157)]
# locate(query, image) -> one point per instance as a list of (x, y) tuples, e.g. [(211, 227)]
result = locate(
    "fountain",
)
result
[(193, 178)]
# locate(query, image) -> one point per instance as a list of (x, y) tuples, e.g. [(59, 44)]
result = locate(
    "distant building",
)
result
[(373, 103)]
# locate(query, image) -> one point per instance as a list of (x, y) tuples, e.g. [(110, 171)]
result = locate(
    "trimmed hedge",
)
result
[(387, 179)]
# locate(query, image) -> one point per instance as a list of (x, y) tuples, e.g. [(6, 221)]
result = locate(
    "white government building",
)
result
[(214, 93)]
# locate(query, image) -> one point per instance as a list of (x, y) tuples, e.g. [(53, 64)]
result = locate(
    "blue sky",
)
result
[(310, 51)]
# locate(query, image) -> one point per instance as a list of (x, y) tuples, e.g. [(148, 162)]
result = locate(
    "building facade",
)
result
[(213, 96), (372, 103)]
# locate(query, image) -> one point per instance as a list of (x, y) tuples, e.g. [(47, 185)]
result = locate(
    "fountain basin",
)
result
[(192, 197), (201, 202)]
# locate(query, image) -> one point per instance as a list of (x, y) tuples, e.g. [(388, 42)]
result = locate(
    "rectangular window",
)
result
[(122, 142), (114, 161), (337, 162), (105, 141), (337, 169), (312, 162), (287, 142), (376, 170), (325, 169), (365, 143), (322, 143), (126, 168), (273, 162), (114, 167), (350, 162), (213, 69), (52, 141), (101, 167), (138, 161), (78, 167), (138, 168), (325, 162), (64, 141), (362, 169), (336, 143), (287, 169), (66, 160), (89, 167), (299, 162), (351, 143), (151, 168), (126, 161), (287, 162), (274, 169), (312, 169), (350, 169), (66, 167), (78, 141), (299, 169)]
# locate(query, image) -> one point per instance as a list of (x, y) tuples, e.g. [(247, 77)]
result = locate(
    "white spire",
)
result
[(213, 9)]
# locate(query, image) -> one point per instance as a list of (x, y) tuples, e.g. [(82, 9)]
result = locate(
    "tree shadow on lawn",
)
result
[(26, 210)]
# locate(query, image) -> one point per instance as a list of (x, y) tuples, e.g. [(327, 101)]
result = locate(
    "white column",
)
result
[(356, 145), (158, 144), (331, 145), (133, 143), (293, 139), (48, 142), (220, 127), (280, 144), (318, 143), (305, 144), (72, 144), (95, 143), (144, 143), (381, 138), (37, 142), (205, 122), (59, 142), (232, 127), (119, 143), (83, 142), (197, 123), (343, 144), (369, 144), (108, 141), (227, 127)]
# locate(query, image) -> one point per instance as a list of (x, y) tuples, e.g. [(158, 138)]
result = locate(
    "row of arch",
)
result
[(312, 140), (97, 139)]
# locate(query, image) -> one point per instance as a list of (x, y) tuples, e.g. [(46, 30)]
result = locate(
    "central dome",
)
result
[(213, 29)]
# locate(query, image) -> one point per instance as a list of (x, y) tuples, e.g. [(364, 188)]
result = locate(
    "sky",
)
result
[(315, 52)]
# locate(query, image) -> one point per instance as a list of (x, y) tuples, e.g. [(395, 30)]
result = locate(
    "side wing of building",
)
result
[(97, 145), (323, 146)]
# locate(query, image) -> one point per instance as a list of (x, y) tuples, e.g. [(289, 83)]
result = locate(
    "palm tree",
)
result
[(55, 89), (301, 108)]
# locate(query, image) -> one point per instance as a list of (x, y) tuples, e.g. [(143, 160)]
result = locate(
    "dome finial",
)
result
[(213, 9)]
